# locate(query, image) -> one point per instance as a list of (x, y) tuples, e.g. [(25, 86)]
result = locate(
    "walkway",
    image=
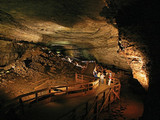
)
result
[(130, 106), (76, 101), (60, 106)]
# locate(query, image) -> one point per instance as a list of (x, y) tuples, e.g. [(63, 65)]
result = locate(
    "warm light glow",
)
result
[(137, 60), (26, 35), (142, 78)]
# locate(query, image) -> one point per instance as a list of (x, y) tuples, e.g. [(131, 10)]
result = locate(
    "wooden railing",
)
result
[(35, 96), (92, 108), (83, 78), (88, 110)]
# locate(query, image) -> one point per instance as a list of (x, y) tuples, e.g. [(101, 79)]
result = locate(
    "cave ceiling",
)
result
[(89, 29), (75, 24)]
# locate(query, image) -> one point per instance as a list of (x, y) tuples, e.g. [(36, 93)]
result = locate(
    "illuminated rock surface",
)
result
[(86, 29), (73, 25)]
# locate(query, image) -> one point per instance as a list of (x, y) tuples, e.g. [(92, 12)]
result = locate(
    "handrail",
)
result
[(67, 89), (106, 99), (88, 85), (54, 87), (83, 78), (93, 98)]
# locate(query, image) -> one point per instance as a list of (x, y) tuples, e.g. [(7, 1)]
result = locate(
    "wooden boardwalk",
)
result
[(76, 101), (61, 106)]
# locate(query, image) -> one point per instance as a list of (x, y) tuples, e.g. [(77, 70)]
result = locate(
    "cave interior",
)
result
[(41, 39)]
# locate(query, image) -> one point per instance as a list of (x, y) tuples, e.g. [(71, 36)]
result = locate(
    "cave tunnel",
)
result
[(41, 39)]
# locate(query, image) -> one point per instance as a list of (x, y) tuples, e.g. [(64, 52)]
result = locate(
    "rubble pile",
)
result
[(38, 62), (37, 68)]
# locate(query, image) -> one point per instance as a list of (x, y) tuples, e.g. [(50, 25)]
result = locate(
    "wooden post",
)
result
[(21, 105), (36, 96), (96, 109), (109, 102), (114, 96), (103, 97), (119, 88), (86, 108), (87, 87), (76, 77), (49, 91), (66, 89), (82, 78)]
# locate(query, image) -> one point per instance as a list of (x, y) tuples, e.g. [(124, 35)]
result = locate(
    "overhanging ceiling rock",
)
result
[(89, 31), (71, 24)]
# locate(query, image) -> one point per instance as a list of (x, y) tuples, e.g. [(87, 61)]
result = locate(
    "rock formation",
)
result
[(113, 32)]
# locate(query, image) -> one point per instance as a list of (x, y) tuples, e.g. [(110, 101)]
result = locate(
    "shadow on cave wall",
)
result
[(136, 87), (141, 18), (3, 98), (6, 114)]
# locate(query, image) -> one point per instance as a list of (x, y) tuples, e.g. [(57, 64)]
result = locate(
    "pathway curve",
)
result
[(60, 105)]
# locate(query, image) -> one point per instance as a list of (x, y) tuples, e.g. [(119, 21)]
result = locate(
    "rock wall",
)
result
[(90, 36), (84, 27), (138, 61), (81, 24), (10, 52)]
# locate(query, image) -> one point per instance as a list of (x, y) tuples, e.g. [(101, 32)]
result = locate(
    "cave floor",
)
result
[(130, 107)]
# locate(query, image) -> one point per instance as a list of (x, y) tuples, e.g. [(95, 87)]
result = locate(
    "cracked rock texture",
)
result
[(74, 24), (89, 29)]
